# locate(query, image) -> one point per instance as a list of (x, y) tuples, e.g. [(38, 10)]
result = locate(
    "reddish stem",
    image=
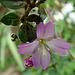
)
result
[(50, 16)]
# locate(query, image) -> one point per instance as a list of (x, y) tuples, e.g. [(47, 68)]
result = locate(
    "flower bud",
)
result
[(29, 63)]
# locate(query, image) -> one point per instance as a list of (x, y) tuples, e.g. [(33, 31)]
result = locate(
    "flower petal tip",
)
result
[(70, 47), (19, 45), (19, 51), (41, 22), (49, 30), (44, 68), (66, 54), (40, 30)]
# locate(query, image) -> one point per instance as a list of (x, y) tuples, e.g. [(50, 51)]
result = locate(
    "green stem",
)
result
[(3, 44), (13, 50)]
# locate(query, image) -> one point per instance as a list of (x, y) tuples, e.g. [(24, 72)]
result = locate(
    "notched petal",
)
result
[(60, 44), (49, 30), (40, 30)]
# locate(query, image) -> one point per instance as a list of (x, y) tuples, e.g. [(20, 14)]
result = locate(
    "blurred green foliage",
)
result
[(65, 29)]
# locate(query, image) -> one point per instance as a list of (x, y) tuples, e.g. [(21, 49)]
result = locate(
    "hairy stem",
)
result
[(50, 16), (29, 7), (71, 55)]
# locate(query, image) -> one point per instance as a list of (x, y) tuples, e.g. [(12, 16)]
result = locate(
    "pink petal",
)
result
[(59, 47), (49, 30), (40, 30), (36, 59), (28, 48), (45, 60), (60, 43), (58, 51), (39, 58), (23, 45)]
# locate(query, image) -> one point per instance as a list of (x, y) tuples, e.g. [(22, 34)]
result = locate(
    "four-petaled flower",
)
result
[(44, 45)]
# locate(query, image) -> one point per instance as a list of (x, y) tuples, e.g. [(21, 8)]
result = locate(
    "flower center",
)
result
[(42, 41), (44, 52)]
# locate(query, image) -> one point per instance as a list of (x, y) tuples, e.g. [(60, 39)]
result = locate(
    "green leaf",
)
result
[(31, 32), (44, 4), (34, 18), (13, 4), (22, 34), (34, 11), (11, 19), (42, 13), (27, 33)]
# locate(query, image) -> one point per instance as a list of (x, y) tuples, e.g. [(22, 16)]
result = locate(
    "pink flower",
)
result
[(44, 45)]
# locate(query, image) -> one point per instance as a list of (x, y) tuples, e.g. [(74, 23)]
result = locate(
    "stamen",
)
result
[(40, 41), (38, 49), (44, 52)]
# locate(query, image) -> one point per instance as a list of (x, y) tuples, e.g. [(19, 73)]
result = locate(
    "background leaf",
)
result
[(13, 4)]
